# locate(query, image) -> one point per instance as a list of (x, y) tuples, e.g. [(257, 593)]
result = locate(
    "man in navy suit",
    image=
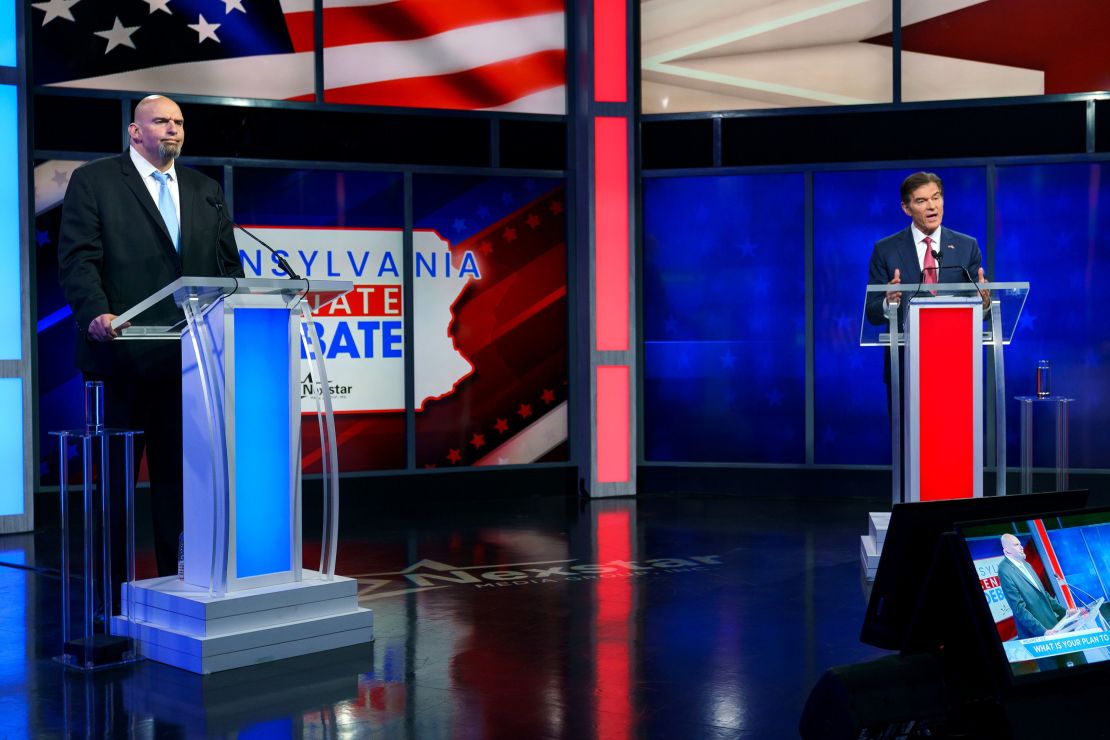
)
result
[(902, 257), (1036, 612), (922, 252), (132, 224)]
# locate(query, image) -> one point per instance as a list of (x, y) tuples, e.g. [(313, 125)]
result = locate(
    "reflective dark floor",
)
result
[(669, 616)]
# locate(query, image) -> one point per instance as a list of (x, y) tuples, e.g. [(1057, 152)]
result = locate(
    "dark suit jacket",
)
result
[(114, 251), (1034, 610), (897, 251)]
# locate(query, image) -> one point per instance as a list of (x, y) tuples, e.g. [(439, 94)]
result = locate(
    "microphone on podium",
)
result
[(939, 257), (282, 263)]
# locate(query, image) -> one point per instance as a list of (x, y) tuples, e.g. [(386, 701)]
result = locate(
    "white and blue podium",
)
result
[(245, 597)]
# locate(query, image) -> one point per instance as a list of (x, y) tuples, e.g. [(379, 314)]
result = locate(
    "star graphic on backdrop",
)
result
[(774, 397), (747, 249), (485, 247), (61, 177), (502, 425), (118, 35), (671, 325), (529, 185), (159, 5), (548, 396), (728, 359), (525, 410), (42, 237), (454, 455), (459, 224), (533, 220), (205, 30), (509, 234), (506, 198), (56, 9), (556, 207), (230, 5), (483, 211), (478, 441)]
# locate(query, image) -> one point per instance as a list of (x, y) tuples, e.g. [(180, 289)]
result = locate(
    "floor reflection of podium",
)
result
[(234, 703)]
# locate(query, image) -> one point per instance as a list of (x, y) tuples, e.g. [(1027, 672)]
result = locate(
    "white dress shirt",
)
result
[(145, 169)]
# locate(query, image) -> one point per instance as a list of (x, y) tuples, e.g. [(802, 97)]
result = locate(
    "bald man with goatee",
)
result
[(1036, 611), (132, 224)]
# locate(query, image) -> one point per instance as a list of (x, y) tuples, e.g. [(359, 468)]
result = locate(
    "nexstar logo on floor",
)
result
[(428, 575)]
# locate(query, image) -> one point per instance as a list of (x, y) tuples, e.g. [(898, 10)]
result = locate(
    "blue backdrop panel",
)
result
[(262, 441), (8, 56), (851, 211), (1051, 229), (1084, 555), (723, 319), (11, 317), (11, 445), (286, 197)]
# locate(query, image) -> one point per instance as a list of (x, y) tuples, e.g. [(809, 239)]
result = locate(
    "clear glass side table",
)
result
[(1027, 404)]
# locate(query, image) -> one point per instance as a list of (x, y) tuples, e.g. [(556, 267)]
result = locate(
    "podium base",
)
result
[(183, 626), (105, 651), (871, 544)]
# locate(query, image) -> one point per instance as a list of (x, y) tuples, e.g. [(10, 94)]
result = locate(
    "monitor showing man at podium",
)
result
[(1044, 586)]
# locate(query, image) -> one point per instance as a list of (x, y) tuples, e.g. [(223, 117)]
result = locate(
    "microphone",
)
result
[(282, 263), (939, 257), (1082, 593)]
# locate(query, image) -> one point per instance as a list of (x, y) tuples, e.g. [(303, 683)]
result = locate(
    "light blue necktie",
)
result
[(166, 208)]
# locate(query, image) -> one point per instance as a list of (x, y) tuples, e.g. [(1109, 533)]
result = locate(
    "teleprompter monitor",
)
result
[(1038, 585), (911, 540)]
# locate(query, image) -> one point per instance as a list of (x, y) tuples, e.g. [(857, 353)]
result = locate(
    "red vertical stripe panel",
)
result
[(946, 394), (614, 424), (613, 658), (610, 51), (1053, 564), (611, 309)]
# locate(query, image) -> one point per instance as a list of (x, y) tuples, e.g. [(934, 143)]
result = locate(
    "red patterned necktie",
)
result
[(930, 263)]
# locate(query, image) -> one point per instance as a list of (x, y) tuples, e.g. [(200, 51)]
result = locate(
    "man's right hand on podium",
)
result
[(100, 328), (893, 298)]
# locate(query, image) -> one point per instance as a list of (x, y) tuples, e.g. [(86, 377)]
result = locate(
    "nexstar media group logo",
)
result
[(311, 389), (429, 575)]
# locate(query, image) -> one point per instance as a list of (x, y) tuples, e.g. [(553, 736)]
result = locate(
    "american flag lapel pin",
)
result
[(951, 246)]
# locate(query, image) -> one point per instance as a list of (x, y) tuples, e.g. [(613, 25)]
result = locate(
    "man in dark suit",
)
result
[(132, 224), (908, 255), (923, 252), (1036, 612)]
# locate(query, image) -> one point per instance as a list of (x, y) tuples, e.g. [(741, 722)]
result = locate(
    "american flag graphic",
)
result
[(460, 54)]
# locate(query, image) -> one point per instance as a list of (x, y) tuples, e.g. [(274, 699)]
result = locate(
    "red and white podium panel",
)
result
[(944, 398)]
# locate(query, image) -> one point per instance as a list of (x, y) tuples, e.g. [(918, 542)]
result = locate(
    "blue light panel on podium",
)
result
[(11, 445), (262, 441), (11, 311)]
